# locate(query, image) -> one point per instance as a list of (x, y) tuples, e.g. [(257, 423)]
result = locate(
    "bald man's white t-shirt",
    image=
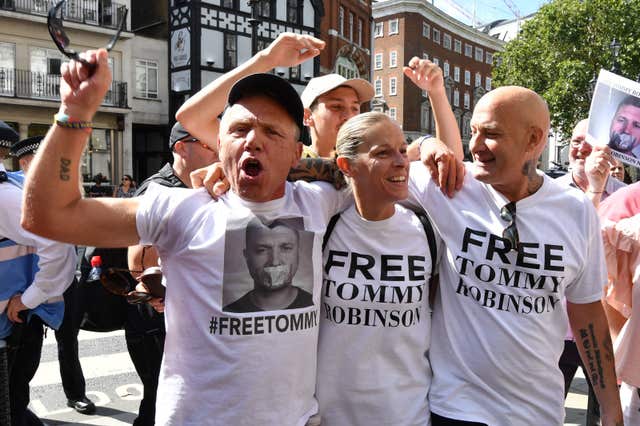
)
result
[(499, 322), (230, 368)]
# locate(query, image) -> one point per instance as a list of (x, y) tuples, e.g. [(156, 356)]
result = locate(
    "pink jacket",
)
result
[(620, 215)]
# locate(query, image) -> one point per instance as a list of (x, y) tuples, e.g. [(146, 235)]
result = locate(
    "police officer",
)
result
[(35, 272)]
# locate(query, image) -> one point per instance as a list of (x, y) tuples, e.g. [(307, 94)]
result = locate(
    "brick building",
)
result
[(346, 27), (406, 28)]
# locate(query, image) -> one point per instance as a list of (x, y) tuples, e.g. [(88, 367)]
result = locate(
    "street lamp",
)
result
[(615, 51), (592, 86), (254, 22)]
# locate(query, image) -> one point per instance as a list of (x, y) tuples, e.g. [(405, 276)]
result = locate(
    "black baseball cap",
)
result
[(177, 133), (274, 87)]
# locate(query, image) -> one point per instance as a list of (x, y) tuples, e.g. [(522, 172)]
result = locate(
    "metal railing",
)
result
[(38, 85), (104, 13)]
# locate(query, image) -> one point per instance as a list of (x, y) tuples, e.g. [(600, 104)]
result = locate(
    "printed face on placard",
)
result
[(268, 266), (625, 129)]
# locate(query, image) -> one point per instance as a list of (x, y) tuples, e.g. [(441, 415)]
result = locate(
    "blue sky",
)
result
[(486, 10)]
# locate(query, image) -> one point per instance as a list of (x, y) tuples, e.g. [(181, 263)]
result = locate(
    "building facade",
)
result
[(346, 28), (134, 109), (209, 38), (403, 29)]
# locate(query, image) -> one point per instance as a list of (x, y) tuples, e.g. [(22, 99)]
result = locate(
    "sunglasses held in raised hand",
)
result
[(120, 282), (60, 38)]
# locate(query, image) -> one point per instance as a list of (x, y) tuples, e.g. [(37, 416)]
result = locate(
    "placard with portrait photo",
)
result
[(614, 117)]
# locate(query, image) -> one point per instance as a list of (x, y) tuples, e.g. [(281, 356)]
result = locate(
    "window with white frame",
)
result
[(456, 74), (487, 83), (341, 21), (230, 50), (377, 63), (467, 100), (446, 41), (479, 54), (346, 67), (377, 30), (436, 61), (468, 50), (424, 116), (146, 78), (478, 80), (359, 32), (425, 55), (489, 58), (393, 83), (377, 86), (351, 18), (426, 30), (294, 10), (456, 98), (466, 127), (436, 35), (393, 113), (445, 69), (457, 46), (7, 68), (467, 77), (45, 71), (393, 59), (393, 26)]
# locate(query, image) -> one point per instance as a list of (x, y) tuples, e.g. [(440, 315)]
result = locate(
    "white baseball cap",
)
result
[(320, 85)]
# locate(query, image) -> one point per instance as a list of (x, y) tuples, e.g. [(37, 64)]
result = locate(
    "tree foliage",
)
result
[(562, 48)]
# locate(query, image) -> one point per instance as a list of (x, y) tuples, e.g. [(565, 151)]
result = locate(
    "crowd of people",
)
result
[(425, 292)]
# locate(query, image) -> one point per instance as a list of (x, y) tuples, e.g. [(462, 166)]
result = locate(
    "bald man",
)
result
[(590, 167), (517, 243)]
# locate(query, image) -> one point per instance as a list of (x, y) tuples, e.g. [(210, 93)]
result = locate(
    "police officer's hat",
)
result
[(26, 146), (8, 136)]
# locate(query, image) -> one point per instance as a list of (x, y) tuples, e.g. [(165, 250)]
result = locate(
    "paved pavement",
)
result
[(113, 385)]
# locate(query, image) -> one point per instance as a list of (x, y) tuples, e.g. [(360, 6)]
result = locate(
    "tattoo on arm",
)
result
[(315, 169), (65, 169), (594, 355)]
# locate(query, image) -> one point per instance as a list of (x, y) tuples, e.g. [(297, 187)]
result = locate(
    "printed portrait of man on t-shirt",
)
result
[(273, 257)]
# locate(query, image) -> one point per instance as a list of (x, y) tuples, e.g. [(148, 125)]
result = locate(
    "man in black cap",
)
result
[(73, 382), (24, 151), (217, 367), (35, 272), (144, 329), (8, 137)]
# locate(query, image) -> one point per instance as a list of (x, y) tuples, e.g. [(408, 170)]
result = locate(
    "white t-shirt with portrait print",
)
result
[(224, 368), (499, 323), (375, 322)]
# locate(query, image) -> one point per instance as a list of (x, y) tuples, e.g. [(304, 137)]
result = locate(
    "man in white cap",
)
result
[(328, 102)]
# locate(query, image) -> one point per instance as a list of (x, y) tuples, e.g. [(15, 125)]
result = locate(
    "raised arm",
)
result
[(199, 115), (428, 76), (597, 168), (589, 326), (52, 205)]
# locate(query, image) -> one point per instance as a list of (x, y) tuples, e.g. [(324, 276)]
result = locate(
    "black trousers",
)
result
[(145, 333), (437, 420), (23, 356), (71, 373)]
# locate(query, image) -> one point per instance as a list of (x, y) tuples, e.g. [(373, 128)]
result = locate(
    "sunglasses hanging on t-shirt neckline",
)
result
[(510, 233), (60, 38)]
